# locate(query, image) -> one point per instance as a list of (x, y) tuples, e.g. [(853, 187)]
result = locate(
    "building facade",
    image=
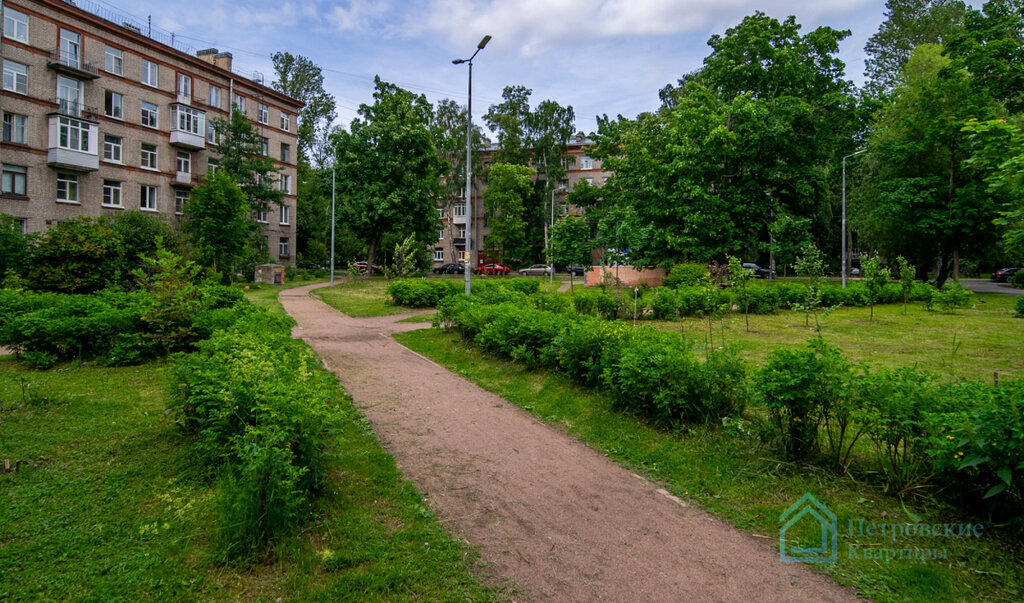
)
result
[(451, 243), (99, 118)]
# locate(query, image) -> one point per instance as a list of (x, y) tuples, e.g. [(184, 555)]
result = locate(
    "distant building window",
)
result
[(15, 77), (111, 193), (14, 128), (214, 99), (286, 122), (586, 163), (286, 184), (261, 214), (460, 210), (180, 198), (262, 113), (113, 60), (188, 119), (438, 254), (286, 153), (149, 158), (440, 212), (73, 134), (113, 104), (462, 232), (264, 146), (184, 163), (283, 250), (212, 166), (111, 148), (286, 215), (184, 86), (150, 115), (150, 73), (239, 102), (15, 25), (590, 181), (14, 179), (67, 188), (70, 48), (212, 135), (147, 197)]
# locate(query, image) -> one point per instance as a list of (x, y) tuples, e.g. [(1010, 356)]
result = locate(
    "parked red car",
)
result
[(492, 269)]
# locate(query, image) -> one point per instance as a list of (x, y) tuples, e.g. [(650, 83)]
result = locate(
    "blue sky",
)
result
[(599, 56)]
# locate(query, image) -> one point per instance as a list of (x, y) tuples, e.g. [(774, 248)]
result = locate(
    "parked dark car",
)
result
[(758, 271), (576, 270), (492, 269), (1003, 275), (450, 268), (536, 270), (361, 266)]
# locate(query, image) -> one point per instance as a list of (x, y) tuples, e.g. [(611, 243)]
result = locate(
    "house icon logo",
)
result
[(811, 515)]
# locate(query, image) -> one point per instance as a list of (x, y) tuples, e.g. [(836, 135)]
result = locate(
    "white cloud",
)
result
[(357, 15)]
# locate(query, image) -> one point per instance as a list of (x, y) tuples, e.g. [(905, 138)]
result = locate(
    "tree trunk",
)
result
[(945, 269), (370, 256)]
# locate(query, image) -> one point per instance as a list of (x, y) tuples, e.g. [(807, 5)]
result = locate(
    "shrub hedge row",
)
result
[(259, 407), (914, 429), (423, 293)]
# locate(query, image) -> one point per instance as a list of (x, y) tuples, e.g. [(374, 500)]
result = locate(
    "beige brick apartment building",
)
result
[(99, 118), (451, 243)]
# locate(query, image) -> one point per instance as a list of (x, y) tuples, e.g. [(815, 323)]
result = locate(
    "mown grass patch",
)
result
[(265, 296), (101, 509), (360, 296), (738, 480)]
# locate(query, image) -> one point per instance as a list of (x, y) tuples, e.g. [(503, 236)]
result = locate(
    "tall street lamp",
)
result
[(470, 263), (844, 211)]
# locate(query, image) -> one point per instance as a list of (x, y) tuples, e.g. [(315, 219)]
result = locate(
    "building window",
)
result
[(212, 135), (184, 162), (586, 163), (14, 128), (14, 180), (111, 148), (264, 146), (149, 156), (286, 153), (188, 119), (440, 234), (286, 122), (67, 188), (262, 113), (460, 210), (286, 184), (73, 134), (184, 86), (147, 197), (111, 193), (286, 215), (180, 198), (113, 60), (15, 25), (69, 95), (212, 166), (22, 225), (150, 73), (239, 103), (261, 214), (590, 181), (282, 250), (70, 48), (464, 256), (15, 77), (113, 104), (214, 99), (150, 115), (440, 212), (438, 254)]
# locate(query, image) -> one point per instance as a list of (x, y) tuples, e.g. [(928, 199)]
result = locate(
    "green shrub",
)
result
[(686, 275), (950, 297), (419, 293), (519, 333), (588, 346), (1019, 307), (800, 387), (1017, 280), (664, 305), (13, 247), (554, 302), (598, 303), (76, 256)]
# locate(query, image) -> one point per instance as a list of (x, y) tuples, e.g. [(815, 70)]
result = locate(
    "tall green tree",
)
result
[(303, 80), (448, 131), (510, 120), (508, 186), (571, 243), (217, 220), (388, 169), (13, 247), (991, 48), (922, 200), (789, 237), (908, 24), (241, 158), (999, 151)]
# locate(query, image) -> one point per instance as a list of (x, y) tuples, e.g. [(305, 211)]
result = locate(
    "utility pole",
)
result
[(844, 211)]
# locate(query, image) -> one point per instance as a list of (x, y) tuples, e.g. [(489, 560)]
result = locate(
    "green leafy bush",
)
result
[(950, 297), (419, 293), (1017, 280), (76, 256), (1019, 307), (686, 275), (664, 305)]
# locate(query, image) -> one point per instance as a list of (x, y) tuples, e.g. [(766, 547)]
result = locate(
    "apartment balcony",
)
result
[(459, 219), (72, 64), (188, 179), (74, 109), (188, 127), (73, 144), (459, 241)]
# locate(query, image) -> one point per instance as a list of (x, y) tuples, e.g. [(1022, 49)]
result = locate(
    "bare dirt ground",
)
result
[(546, 512)]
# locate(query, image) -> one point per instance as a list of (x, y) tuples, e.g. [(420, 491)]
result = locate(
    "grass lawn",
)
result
[(972, 343), (360, 296), (266, 295), (734, 478), (101, 510)]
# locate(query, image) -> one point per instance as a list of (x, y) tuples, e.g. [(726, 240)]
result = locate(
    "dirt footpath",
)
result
[(546, 512)]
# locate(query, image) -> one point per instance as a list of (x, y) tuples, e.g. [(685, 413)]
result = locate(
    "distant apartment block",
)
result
[(99, 118), (451, 243)]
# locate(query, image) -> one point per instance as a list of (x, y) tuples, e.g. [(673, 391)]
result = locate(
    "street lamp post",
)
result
[(469, 163), (333, 188), (844, 211)]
